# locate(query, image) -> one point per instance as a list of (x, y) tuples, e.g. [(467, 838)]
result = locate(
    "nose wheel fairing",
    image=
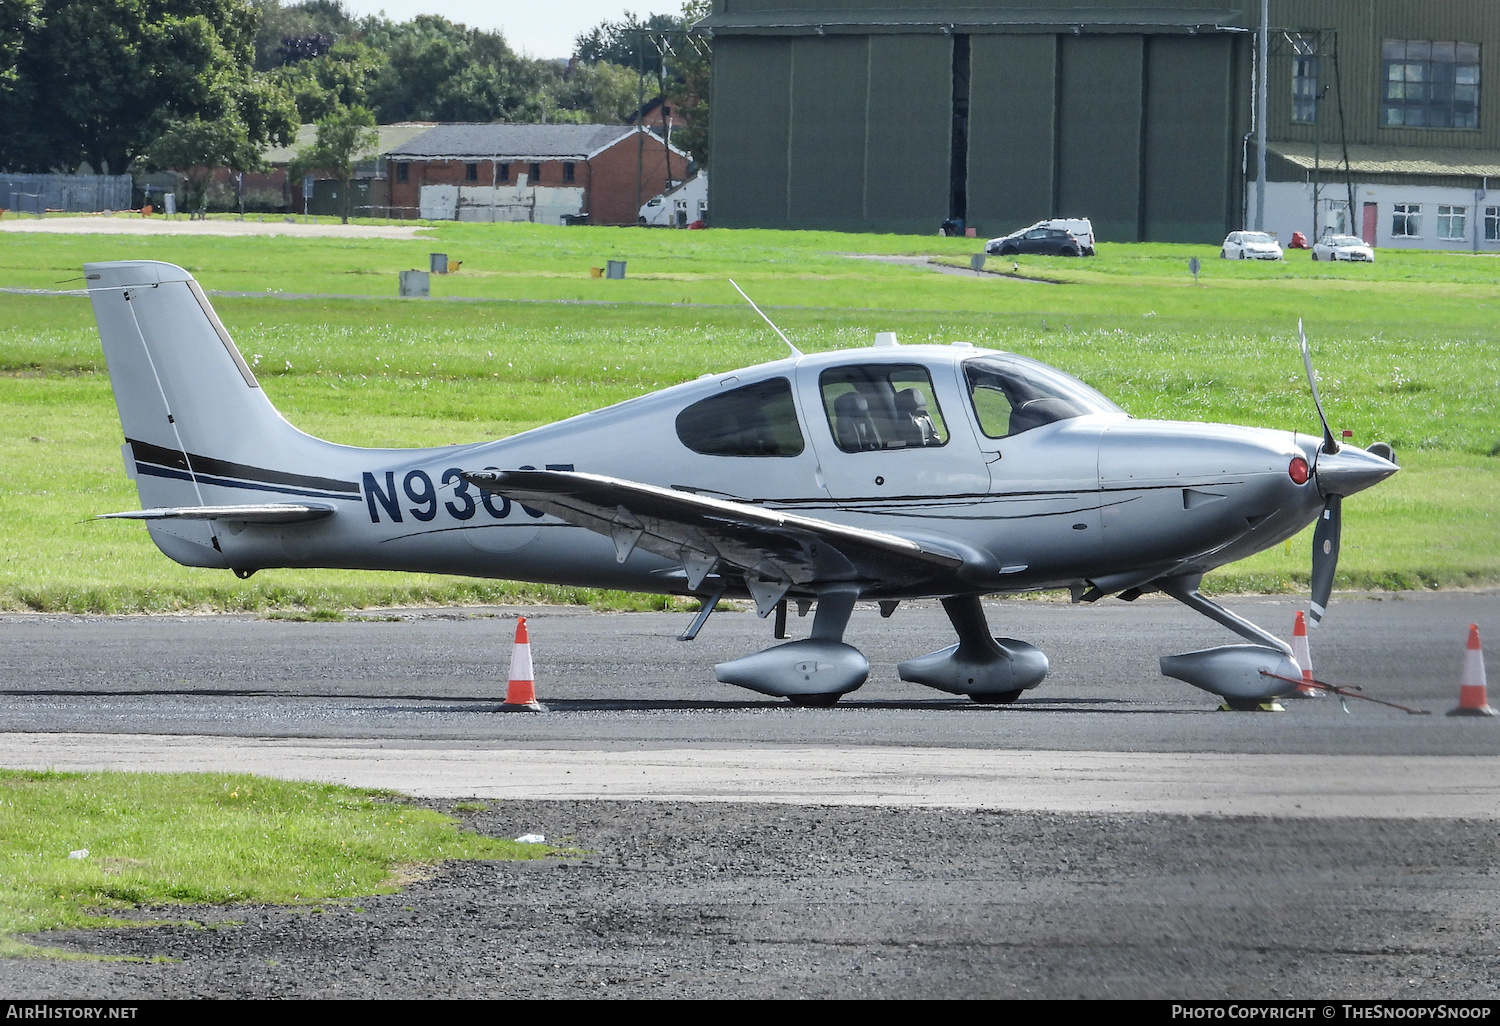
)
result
[(1234, 672)]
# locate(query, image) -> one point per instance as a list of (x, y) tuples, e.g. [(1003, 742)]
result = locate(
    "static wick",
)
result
[(794, 349)]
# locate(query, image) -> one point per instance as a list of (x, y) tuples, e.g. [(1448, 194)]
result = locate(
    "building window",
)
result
[(471, 172), (567, 170), (402, 172), (1406, 220), (1492, 224), (1429, 85), (1304, 79), (1452, 222), (536, 173), (502, 171)]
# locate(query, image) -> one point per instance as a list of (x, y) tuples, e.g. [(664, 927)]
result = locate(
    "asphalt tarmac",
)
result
[(623, 679), (1111, 834)]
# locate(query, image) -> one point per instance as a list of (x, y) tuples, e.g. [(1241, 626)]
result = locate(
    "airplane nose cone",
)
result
[(1350, 470)]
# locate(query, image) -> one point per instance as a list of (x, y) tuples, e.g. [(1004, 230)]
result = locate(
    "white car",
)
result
[(1342, 247), (1250, 246)]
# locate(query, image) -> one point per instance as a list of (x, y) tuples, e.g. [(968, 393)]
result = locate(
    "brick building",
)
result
[(551, 174)]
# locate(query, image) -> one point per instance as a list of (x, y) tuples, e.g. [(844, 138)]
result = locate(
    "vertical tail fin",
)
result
[(198, 428)]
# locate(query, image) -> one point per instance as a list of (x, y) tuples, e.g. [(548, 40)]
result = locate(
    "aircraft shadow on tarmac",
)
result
[(581, 705), (488, 703)]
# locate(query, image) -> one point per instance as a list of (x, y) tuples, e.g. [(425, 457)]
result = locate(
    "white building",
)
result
[(1403, 198)]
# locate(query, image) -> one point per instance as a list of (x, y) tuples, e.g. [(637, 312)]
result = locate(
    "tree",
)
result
[(688, 91), (676, 59), (18, 20), (627, 42), (289, 34), (345, 138), (602, 93), (99, 80), (195, 148), (342, 77)]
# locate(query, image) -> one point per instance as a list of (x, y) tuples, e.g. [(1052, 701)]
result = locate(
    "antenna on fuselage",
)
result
[(794, 349)]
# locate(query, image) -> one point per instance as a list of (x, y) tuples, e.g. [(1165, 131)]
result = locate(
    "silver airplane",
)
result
[(885, 473)]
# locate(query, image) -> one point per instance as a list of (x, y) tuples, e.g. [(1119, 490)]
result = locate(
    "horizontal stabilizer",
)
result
[(266, 513)]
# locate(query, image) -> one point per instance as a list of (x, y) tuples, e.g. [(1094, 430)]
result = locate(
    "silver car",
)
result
[(1250, 246)]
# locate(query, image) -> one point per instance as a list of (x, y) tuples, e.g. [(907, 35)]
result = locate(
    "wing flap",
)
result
[(265, 513), (697, 530)]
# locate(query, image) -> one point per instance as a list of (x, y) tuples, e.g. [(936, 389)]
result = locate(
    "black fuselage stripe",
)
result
[(172, 473), (146, 453)]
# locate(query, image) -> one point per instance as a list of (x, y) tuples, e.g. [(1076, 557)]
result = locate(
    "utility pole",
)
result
[(1317, 174), (1263, 48), (661, 40), (640, 92)]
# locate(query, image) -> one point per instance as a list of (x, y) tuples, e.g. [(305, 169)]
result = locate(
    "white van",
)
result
[(1081, 228), (682, 205)]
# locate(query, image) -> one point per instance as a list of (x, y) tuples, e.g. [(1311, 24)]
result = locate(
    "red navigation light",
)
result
[(1298, 470)]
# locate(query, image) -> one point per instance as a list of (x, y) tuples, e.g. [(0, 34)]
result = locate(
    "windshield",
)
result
[(1345, 240), (1012, 394), (1260, 237)]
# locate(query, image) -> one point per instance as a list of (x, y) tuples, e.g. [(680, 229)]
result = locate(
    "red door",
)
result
[(1368, 230)]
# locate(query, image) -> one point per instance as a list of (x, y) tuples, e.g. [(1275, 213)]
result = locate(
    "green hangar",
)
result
[(896, 115)]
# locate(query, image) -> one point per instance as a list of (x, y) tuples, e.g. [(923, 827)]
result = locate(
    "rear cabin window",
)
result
[(877, 407), (753, 420)]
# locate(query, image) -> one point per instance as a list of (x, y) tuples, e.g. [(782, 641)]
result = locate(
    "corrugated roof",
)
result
[(1043, 17), (1397, 160), (509, 142), (390, 135)]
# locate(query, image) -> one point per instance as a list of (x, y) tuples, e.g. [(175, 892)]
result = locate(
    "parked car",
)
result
[(1041, 241), (1250, 246), (1342, 247), (1080, 228)]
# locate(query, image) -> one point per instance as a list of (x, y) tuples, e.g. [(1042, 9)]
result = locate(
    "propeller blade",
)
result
[(1329, 445), (1325, 556)]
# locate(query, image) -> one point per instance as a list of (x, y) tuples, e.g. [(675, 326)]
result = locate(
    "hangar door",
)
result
[(1136, 132)]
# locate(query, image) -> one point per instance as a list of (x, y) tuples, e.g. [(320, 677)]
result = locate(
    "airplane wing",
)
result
[(267, 513), (774, 549)]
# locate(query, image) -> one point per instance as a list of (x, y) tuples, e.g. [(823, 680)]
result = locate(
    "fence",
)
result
[(78, 193)]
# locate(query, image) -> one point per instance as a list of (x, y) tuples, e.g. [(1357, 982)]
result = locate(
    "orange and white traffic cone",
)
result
[(1472, 699), (520, 695), (1303, 656)]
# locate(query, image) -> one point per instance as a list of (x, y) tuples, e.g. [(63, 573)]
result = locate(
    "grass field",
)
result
[(1406, 348), (80, 846)]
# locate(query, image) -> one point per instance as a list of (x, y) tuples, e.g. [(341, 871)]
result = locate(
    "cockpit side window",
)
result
[(1012, 394), (876, 407), (753, 420)]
